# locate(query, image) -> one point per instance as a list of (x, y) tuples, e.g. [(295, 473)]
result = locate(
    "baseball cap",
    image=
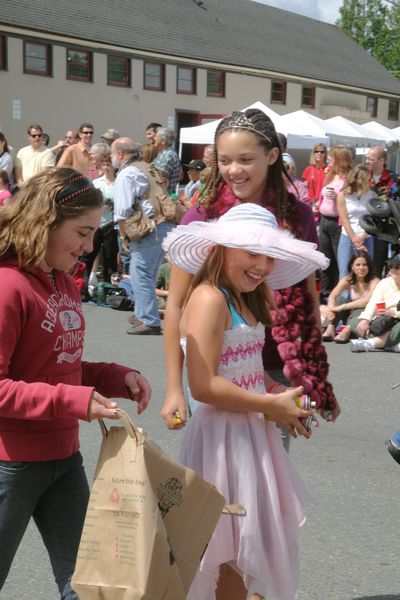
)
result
[(111, 134), (196, 165)]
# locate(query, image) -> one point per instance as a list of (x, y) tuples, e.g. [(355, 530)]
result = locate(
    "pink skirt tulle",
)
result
[(244, 458)]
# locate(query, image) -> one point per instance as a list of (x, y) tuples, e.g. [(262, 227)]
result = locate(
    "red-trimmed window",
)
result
[(393, 112), (3, 53), (185, 80), (308, 96), (154, 76), (278, 92), (372, 106), (216, 83), (79, 65), (37, 58), (119, 71)]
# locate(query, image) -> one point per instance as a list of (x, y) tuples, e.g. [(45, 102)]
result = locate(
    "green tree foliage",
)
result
[(376, 27)]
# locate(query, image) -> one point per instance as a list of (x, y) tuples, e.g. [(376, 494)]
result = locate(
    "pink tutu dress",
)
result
[(243, 456)]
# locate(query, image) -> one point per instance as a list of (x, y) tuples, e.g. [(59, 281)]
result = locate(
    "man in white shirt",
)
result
[(33, 159)]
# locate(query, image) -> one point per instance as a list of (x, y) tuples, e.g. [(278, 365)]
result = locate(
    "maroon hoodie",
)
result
[(45, 387)]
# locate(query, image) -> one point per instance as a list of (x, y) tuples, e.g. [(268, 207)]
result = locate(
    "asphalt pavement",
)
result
[(350, 542)]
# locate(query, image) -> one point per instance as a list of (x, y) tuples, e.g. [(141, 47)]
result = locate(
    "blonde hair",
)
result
[(317, 147), (149, 152), (358, 182), (45, 201), (259, 301)]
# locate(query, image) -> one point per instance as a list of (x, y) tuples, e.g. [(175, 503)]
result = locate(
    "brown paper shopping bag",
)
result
[(148, 522)]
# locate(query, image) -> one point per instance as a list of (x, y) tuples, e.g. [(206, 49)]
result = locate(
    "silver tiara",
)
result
[(239, 120)]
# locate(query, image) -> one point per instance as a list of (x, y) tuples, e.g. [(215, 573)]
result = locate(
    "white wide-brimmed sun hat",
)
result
[(247, 227)]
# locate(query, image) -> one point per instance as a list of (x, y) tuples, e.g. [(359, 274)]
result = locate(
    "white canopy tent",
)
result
[(363, 135), (396, 133), (297, 137), (387, 134)]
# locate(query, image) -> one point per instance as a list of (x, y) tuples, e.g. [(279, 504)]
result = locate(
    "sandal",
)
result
[(329, 334), (344, 336)]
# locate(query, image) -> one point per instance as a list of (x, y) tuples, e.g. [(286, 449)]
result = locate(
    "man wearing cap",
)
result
[(109, 136), (78, 156), (194, 168)]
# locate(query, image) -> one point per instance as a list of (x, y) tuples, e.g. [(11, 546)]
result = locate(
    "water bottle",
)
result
[(101, 293)]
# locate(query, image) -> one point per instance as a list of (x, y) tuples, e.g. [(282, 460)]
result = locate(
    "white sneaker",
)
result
[(395, 348), (362, 345)]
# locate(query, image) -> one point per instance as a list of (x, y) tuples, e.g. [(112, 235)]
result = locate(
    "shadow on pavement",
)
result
[(386, 597)]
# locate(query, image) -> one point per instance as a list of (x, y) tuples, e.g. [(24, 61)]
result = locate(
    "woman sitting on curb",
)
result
[(384, 302), (350, 296)]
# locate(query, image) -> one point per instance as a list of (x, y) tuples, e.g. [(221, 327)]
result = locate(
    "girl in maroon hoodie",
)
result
[(45, 387)]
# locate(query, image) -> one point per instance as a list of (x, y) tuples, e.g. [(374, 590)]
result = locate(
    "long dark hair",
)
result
[(3, 139), (276, 198), (371, 269)]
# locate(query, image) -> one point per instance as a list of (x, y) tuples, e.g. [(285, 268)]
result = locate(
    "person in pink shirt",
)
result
[(340, 163), (5, 193), (45, 386)]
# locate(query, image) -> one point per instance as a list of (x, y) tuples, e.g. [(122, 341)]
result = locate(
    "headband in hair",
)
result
[(76, 186), (239, 120)]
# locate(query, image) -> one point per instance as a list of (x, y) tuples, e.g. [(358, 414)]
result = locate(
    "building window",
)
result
[(216, 83), (119, 71), (185, 80), (393, 112), (154, 76), (278, 92), (3, 53), (37, 58), (79, 65), (308, 96), (372, 106)]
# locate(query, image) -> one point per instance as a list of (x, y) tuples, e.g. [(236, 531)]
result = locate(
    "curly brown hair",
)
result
[(46, 200)]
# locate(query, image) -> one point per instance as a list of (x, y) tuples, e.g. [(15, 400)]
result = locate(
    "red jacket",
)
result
[(45, 387)]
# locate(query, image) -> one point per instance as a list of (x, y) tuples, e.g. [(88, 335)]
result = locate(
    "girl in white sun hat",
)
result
[(236, 261)]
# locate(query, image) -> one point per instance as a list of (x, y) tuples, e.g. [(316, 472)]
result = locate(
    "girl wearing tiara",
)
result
[(248, 168), (232, 439)]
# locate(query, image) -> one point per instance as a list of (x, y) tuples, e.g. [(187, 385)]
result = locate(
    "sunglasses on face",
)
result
[(395, 267), (35, 135), (319, 151), (87, 132)]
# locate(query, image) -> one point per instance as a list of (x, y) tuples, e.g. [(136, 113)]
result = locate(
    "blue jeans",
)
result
[(329, 234), (55, 493), (346, 251), (146, 258)]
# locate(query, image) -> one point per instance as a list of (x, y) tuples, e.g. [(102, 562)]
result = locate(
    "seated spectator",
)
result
[(350, 296), (381, 317), (5, 193), (351, 205)]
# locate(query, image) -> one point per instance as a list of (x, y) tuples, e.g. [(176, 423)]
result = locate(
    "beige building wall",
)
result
[(59, 104)]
